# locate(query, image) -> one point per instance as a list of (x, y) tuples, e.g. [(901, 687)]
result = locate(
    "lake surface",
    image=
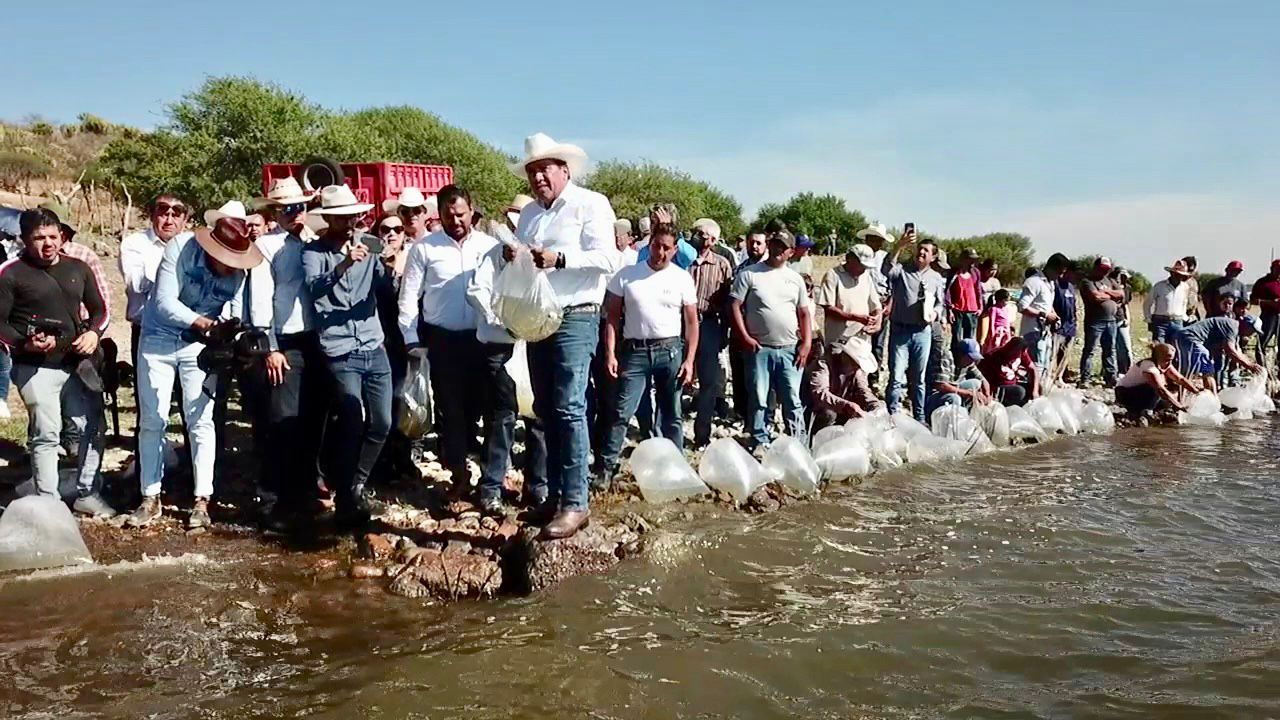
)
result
[(1129, 576)]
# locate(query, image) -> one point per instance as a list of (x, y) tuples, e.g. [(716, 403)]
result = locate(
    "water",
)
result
[(1129, 576)]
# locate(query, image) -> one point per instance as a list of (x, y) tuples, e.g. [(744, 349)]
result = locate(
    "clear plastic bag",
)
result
[(1024, 427), (826, 435), (39, 532), (993, 418), (842, 459), (1068, 406), (518, 369), (524, 300), (417, 415), (888, 448), (908, 427), (1043, 411), (934, 448), (1204, 409), (790, 463), (1096, 419), (952, 422), (662, 473), (727, 467)]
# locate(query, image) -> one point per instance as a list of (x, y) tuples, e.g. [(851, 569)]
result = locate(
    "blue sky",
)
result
[(1143, 129)]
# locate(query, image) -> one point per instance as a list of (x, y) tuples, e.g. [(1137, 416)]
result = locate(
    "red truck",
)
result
[(371, 182)]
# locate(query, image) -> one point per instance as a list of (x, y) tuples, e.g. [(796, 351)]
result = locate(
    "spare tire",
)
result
[(318, 171)]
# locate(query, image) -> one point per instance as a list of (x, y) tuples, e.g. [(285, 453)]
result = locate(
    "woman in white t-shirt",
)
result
[(649, 304), (1149, 385)]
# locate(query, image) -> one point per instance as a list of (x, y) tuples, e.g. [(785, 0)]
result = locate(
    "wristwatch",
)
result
[(560, 261)]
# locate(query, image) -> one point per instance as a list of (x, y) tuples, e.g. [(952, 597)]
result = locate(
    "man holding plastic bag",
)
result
[(567, 234)]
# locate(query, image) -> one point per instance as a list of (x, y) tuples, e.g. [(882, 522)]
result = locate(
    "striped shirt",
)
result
[(711, 278)]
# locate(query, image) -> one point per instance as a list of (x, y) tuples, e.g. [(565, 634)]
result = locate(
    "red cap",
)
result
[(1235, 265)]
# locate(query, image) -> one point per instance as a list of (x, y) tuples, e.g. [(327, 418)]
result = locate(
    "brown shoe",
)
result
[(199, 516), (566, 524), (148, 512)]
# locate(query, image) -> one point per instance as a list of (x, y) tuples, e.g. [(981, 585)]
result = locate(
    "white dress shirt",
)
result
[(1037, 296), (140, 255), (436, 275), (1168, 300), (579, 226), (278, 297)]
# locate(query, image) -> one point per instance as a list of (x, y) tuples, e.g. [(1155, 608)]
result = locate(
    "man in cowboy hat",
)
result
[(41, 295), (626, 240), (343, 277), (836, 386), (292, 376), (1165, 309), (198, 286), (875, 236), (468, 376), (416, 210), (285, 206), (569, 230)]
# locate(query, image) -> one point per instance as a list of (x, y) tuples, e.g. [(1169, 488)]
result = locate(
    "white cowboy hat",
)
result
[(339, 200), (540, 146), (515, 206), (283, 191), (876, 230), (230, 209), (864, 253), (859, 349), (409, 197)]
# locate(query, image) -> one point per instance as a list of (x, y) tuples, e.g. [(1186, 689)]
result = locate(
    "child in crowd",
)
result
[(995, 328)]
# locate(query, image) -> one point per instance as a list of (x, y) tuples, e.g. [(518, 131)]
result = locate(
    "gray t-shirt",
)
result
[(1095, 311), (918, 295), (770, 298)]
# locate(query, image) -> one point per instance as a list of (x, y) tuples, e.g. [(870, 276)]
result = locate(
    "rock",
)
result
[(468, 524), (365, 572), (535, 565), (636, 523), (489, 523), (448, 576), (457, 547), (379, 547), (507, 530)]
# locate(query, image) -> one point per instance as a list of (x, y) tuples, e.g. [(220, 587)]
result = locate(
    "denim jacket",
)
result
[(347, 303), (187, 288)]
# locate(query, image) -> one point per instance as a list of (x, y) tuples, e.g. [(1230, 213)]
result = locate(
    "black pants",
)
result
[(741, 388), (456, 374), (294, 417), (1138, 399), (1010, 395), (498, 392)]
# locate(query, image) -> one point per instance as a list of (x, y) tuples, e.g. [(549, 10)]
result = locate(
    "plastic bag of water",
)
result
[(727, 467), (843, 459), (1042, 410), (662, 473), (39, 532), (993, 418), (791, 464), (524, 300), (1024, 427), (1096, 418)]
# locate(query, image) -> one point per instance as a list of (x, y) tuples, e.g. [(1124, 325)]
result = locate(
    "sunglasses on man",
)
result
[(388, 229), (410, 211), (293, 209), (167, 210)]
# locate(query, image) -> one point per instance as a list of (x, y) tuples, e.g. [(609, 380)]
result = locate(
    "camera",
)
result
[(229, 342)]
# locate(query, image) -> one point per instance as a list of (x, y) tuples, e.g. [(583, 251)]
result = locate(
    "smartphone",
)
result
[(909, 227)]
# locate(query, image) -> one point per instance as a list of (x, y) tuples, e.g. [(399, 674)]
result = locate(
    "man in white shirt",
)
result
[(658, 299), (849, 299), (1166, 307), (293, 375), (1035, 304), (468, 378), (626, 241), (569, 229), (140, 255)]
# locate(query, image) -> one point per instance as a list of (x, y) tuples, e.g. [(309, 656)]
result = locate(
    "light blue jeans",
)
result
[(160, 359), (775, 367), (46, 391), (909, 347), (558, 370)]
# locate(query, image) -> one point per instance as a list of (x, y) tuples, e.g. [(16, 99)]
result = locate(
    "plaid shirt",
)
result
[(712, 278), (73, 249)]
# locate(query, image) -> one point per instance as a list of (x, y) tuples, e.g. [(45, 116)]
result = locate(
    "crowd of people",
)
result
[(321, 316)]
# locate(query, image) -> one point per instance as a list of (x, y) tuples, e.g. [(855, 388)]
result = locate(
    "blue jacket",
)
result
[(187, 288), (685, 254)]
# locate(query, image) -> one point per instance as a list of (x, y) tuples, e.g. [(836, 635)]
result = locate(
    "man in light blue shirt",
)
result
[(342, 276), (198, 285)]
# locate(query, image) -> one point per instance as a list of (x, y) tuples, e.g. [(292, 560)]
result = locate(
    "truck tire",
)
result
[(318, 171)]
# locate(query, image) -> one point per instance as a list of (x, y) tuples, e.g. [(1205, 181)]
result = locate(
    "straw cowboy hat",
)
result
[(541, 146), (859, 349), (229, 242), (876, 230), (230, 209), (515, 206), (283, 191), (339, 200), (410, 197), (1179, 268)]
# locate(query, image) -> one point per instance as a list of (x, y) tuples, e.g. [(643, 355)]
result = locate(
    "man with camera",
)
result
[(41, 293), (198, 289)]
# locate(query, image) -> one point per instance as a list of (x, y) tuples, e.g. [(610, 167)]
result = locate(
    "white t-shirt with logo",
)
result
[(653, 300)]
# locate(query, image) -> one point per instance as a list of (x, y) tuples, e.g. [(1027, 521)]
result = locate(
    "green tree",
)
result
[(816, 216), (633, 187), (1012, 251), (18, 168)]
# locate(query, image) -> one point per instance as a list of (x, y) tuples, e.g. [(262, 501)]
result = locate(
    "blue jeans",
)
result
[(360, 421), (1164, 330), (909, 347), (775, 368), (558, 370), (639, 365), (710, 376), (499, 393), (1104, 330), (1040, 346), (6, 370), (938, 399), (1124, 350), (160, 359)]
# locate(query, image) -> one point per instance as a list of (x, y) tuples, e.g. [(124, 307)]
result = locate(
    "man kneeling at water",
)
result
[(836, 385), (1149, 385), (1197, 341)]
